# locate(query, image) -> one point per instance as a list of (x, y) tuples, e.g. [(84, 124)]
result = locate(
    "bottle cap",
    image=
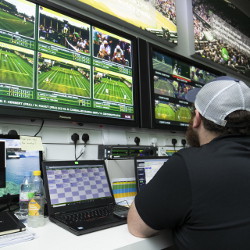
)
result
[(27, 174), (37, 172)]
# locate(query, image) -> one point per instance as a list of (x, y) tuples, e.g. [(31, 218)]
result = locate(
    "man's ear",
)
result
[(197, 119)]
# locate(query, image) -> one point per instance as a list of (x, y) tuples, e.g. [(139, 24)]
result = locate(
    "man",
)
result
[(105, 50), (202, 193)]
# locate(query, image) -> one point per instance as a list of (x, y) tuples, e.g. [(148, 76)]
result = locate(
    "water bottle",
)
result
[(36, 201), (25, 192)]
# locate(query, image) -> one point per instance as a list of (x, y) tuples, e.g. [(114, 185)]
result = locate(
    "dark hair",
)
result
[(238, 123)]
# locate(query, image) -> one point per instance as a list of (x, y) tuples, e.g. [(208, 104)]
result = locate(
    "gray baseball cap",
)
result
[(219, 98)]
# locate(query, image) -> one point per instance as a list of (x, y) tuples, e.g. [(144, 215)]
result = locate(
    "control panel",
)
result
[(114, 152)]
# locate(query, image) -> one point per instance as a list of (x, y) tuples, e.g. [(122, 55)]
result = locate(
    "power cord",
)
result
[(174, 142), (39, 128), (75, 138), (137, 141), (85, 138), (183, 142)]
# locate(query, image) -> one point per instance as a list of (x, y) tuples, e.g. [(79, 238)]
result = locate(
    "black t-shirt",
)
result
[(203, 195)]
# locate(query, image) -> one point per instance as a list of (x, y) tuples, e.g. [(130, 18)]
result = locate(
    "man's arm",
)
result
[(137, 226)]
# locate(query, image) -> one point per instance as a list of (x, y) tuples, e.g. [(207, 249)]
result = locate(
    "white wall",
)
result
[(56, 135), (56, 139)]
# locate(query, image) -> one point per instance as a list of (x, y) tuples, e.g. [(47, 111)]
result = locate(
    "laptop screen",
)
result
[(146, 168), (76, 184)]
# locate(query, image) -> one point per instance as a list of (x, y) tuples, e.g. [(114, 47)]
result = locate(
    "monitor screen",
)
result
[(171, 78), (221, 33), (54, 63), (2, 164), (157, 17), (18, 162), (146, 168)]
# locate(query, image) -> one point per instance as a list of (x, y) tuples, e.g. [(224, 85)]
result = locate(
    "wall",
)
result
[(56, 135), (56, 139)]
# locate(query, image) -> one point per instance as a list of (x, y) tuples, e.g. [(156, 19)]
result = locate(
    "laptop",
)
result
[(79, 196), (146, 168)]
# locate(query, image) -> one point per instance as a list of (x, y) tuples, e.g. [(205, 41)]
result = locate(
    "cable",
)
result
[(75, 137), (174, 142), (137, 141), (117, 203), (183, 142), (40, 128), (85, 138), (82, 151)]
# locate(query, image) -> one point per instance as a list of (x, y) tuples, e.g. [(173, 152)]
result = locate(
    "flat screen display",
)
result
[(18, 162), (146, 168), (157, 17), (65, 68), (2, 164), (171, 78), (222, 34)]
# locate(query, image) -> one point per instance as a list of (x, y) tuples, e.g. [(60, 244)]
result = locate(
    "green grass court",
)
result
[(166, 112), (15, 70), (64, 80), (13, 24), (162, 87), (162, 66), (114, 91), (183, 114)]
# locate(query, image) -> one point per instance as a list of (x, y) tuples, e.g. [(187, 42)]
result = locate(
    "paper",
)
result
[(10, 239), (124, 190), (31, 143)]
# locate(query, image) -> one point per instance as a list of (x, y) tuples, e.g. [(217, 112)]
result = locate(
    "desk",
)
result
[(51, 236)]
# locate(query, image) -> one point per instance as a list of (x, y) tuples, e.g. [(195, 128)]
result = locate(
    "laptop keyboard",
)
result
[(89, 215)]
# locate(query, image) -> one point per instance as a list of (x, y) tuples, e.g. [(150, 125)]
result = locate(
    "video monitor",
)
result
[(222, 34), (171, 78), (55, 65), (157, 17), (18, 162), (146, 168), (2, 164)]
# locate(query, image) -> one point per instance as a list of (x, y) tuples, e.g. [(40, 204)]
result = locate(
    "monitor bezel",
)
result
[(145, 158), (151, 49), (76, 205), (10, 111), (119, 22), (9, 200)]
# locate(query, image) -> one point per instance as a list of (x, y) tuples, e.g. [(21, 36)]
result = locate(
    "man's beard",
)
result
[(192, 136)]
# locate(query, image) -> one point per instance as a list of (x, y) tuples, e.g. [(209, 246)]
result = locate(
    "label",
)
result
[(24, 196), (34, 208)]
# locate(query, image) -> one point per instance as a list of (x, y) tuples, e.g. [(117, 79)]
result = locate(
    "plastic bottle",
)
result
[(36, 202), (25, 191)]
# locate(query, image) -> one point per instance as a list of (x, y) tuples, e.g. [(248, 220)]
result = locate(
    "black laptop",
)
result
[(146, 168), (79, 196)]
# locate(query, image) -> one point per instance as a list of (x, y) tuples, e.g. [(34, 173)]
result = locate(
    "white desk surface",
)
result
[(51, 236)]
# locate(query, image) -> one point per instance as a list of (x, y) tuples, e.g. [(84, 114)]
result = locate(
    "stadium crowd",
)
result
[(111, 49), (210, 46), (167, 8), (66, 36)]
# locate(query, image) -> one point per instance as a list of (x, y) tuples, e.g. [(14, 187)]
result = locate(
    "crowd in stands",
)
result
[(210, 46), (167, 8), (66, 37), (111, 49)]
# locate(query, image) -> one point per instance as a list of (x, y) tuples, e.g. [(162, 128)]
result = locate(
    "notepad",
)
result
[(9, 223)]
